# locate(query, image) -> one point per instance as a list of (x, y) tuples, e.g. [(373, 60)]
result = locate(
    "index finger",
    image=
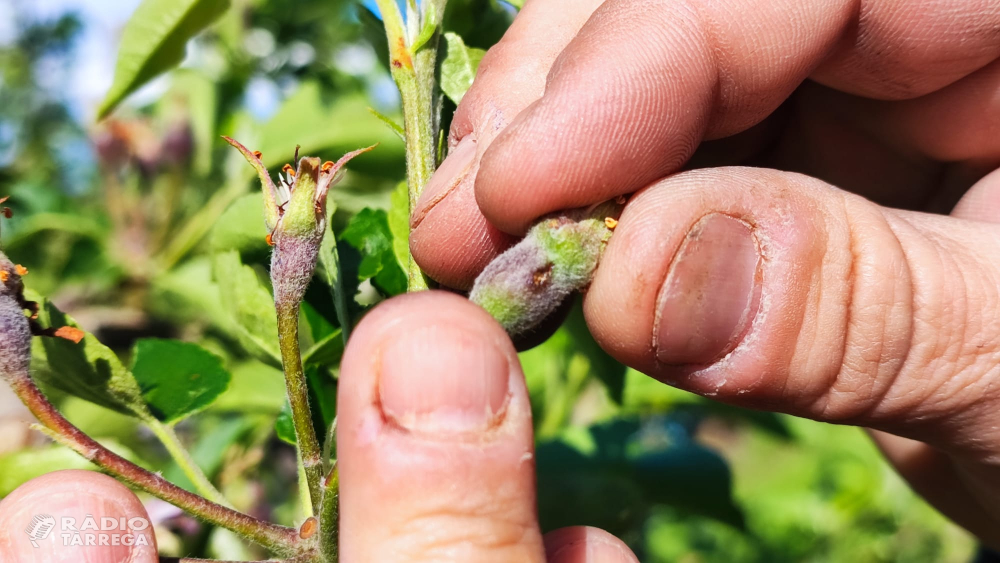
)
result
[(644, 82)]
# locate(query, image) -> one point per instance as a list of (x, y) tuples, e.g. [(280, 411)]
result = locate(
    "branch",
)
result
[(280, 540)]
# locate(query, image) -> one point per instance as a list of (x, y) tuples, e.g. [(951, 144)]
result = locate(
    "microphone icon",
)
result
[(40, 528)]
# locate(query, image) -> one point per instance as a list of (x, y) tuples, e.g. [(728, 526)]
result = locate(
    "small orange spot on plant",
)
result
[(610, 222), (287, 169), (21, 270), (308, 528), (257, 154), (70, 333), (4, 276), (327, 166), (270, 239)]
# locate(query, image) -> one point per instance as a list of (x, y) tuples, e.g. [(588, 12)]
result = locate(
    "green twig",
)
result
[(182, 457), (414, 70), (298, 399), (329, 516)]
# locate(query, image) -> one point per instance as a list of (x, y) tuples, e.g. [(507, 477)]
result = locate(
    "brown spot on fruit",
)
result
[(540, 278)]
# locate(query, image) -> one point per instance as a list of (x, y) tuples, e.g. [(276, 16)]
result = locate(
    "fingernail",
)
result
[(711, 292), (453, 170), (441, 379), (601, 551)]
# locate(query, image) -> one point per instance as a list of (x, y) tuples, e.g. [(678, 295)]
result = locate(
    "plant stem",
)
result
[(298, 398), (329, 517), (165, 433), (414, 74), (280, 540)]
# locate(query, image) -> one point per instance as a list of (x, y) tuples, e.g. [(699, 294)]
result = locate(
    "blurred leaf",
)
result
[(209, 451), (326, 352), (177, 378), (250, 306), (322, 404), (369, 233), (399, 225), (17, 468), (333, 275), (284, 428), (610, 371), (154, 40), (516, 3), (88, 369), (242, 227), (336, 125), (618, 471), (201, 103), (255, 387), (458, 68), (188, 293)]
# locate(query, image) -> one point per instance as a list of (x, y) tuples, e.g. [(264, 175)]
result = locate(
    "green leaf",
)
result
[(322, 404), (610, 371), (428, 30), (154, 40), (201, 102), (399, 224), (250, 307), (392, 125), (458, 68), (241, 226), (177, 378), (325, 352), (88, 369), (369, 233), (284, 427), (619, 471), (330, 267), (516, 3), (328, 124), (19, 467), (209, 451), (255, 388)]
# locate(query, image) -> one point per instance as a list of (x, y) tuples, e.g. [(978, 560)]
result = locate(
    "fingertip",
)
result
[(584, 544), (435, 434), (77, 495)]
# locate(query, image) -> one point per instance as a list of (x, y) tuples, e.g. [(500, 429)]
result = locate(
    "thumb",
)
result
[(73, 516), (777, 291)]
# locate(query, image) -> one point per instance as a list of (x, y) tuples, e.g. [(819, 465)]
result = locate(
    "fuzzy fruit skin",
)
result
[(558, 256), (15, 331)]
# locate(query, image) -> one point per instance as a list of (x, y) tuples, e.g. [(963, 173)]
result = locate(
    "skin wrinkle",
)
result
[(466, 525), (873, 370)]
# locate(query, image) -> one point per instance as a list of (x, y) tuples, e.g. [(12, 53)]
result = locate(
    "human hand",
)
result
[(759, 286), (435, 450)]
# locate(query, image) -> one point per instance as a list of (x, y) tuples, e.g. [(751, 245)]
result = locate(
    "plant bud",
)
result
[(559, 255), (295, 215), (15, 330)]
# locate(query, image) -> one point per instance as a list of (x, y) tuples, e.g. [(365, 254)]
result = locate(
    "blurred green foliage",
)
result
[(148, 229)]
